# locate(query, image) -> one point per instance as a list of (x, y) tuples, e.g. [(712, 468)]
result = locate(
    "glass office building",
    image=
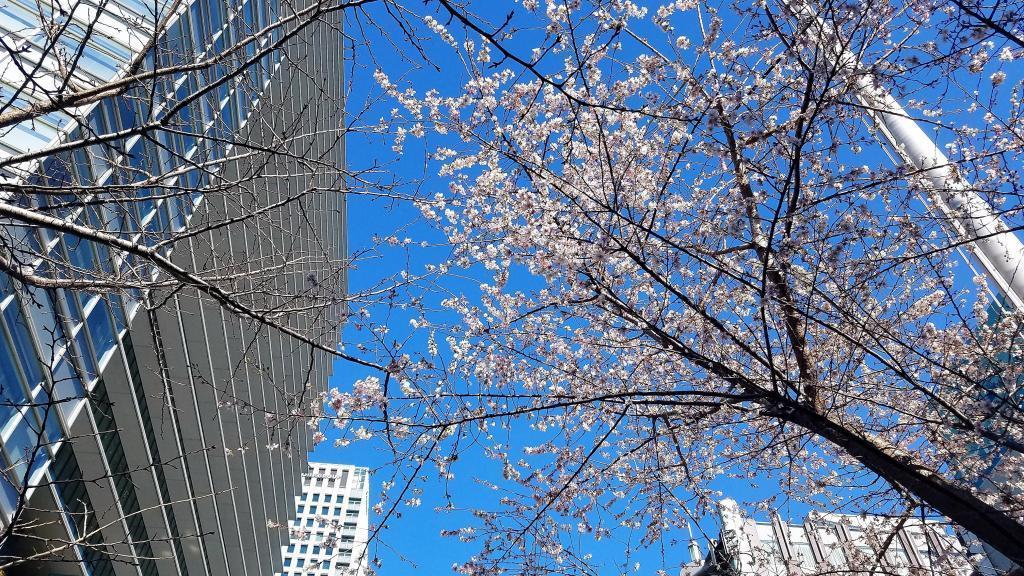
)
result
[(329, 534), (161, 439)]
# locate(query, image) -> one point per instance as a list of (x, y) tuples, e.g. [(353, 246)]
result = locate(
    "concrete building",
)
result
[(825, 543), (329, 534), (163, 453)]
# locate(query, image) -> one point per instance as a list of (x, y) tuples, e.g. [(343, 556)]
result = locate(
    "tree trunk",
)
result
[(988, 523)]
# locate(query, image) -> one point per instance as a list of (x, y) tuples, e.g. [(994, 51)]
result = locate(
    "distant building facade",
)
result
[(825, 543), (329, 534)]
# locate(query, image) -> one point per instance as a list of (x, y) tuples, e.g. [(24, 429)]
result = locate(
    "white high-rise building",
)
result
[(331, 526)]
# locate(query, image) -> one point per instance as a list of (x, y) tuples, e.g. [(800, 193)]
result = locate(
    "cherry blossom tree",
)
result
[(689, 258)]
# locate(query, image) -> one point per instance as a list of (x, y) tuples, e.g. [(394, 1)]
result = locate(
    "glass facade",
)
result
[(137, 165), (72, 334)]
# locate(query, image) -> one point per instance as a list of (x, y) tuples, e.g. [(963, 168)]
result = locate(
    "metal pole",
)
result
[(996, 249)]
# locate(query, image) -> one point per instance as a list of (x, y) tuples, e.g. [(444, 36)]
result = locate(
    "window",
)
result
[(309, 523), (925, 549), (768, 553), (18, 438), (80, 254), (291, 548), (827, 536), (896, 554), (800, 548), (101, 329), (13, 393), (352, 514), (23, 348), (304, 548), (337, 511), (316, 497), (766, 535), (861, 544), (83, 356), (300, 509), (287, 562), (66, 386), (316, 550), (330, 482), (327, 497), (300, 563), (319, 482), (325, 510)]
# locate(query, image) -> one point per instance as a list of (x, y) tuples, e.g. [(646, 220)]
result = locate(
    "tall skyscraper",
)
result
[(826, 543), (331, 525), (171, 230)]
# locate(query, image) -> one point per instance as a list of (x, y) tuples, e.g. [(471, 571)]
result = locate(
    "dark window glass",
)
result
[(27, 358), (12, 395), (20, 441), (101, 330), (84, 356), (65, 381)]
